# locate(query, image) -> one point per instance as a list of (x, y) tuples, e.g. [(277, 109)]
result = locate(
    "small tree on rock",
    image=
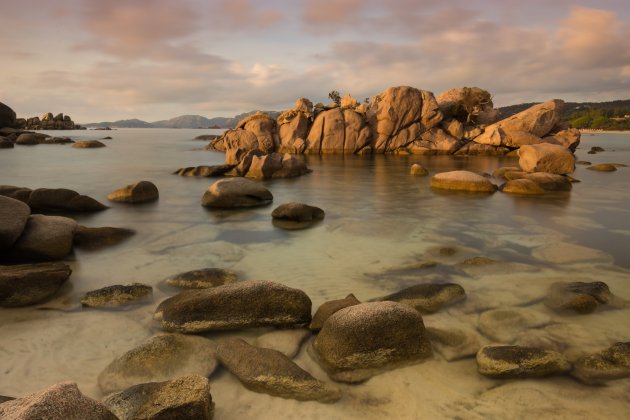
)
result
[(335, 97)]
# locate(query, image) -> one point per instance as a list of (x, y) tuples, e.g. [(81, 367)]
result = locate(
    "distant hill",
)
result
[(184, 121), (612, 115)]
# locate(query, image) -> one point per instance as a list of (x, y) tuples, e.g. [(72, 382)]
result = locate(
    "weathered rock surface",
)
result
[(418, 170), (468, 105), (160, 358), (520, 362), (271, 372), (603, 167), (428, 297), (117, 295), (503, 325), (236, 192), (183, 398), (13, 217), (606, 365), (293, 127), (476, 149), (546, 157), (234, 306), (328, 308), (28, 284), (138, 193), (287, 342), (203, 278), (454, 343), (360, 341), (205, 171), (569, 138), (44, 238), (435, 141), (60, 401), (581, 297), (338, 130), (462, 181), (275, 165), (93, 238), (522, 187), (88, 144), (263, 127)]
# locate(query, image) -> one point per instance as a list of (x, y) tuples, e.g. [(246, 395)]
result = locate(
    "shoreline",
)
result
[(592, 130)]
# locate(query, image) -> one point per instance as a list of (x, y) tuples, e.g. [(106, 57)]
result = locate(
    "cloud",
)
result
[(244, 15)]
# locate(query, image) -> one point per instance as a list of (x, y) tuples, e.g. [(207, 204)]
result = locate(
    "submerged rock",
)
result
[(205, 171), (503, 325), (454, 343), (328, 308), (117, 295), (503, 362), (28, 284), (183, 398), (363, 340), (603, 167), (271, 372), (88, 144), (160, 358), (203, 278), (99, 237), (462, 181), (233, 306), (60, 401), (428, 298), (140, 192), (606, 365), (418, 170), (236, 192), (287, 342), (581, 297), (13, 218), (298, 212)]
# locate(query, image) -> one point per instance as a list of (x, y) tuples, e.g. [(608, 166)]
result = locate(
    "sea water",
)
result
[(381, 225)]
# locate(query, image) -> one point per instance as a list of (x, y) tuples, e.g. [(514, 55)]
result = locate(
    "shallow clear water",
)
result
[(378, 219)]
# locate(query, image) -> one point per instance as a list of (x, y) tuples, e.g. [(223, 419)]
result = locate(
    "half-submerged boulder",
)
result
[(361, 341), (428, 297), (160, 358), (187, 397), (88, 144), (203, 278), (52, 199), (13, 217), (603, 167), (604, 366), (504, 362), (581, 297), (297, 212), (522, 187), (235, 193), (234, 306), (45, 238), (60, 401), (271, 372), (28, 284), (546, 157), (462, 181), (138, 193), (117, 295), (93, 238), (205, 171), (418, 170)]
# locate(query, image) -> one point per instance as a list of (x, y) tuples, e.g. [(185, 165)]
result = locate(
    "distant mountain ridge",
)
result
[(183, 121)]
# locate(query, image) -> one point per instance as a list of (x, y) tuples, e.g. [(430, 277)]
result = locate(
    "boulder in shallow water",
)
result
[(454, 343), (203, 278), (88, 144), (581, 297), (604, 366), (99, 237), (160, 358), (522, 187), (205, 171), (428, 297), (234, 306), (298, 212), (271, 372), (140, 192), (29, 139), (60, 401), (63, 199), (235, 193), (363, 340), (13, 217), (603, 167), (6, 143), (506, 362), (326, 309), (546, 157), (187, 397), (117, 295), (462, 181), (44, 238), (418, 170), (28, 284)]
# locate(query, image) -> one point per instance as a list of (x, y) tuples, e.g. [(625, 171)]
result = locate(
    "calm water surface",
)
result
[(378, 219)]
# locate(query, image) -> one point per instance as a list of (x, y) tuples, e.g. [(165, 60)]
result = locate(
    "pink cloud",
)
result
[(239, 15)]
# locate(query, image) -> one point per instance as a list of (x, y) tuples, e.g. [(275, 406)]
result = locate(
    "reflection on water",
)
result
[(383, 231)]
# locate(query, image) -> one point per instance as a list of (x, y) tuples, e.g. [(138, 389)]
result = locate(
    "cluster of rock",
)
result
[(402, 119), (48, 121)]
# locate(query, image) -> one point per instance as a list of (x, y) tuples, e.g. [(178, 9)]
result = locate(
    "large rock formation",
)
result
[(48, 121), (338, 130), (7, 116), (468, 105)]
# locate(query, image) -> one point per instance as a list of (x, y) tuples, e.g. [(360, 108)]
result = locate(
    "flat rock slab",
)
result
[(44, 238), (92, 238), (235, 193), (428, 298), (504, 325), (117, 295), (28, 284), (505, 362), (233, 306), (13, 217), (363, 340), (271, 372), (462, 181), (599, 368), (160, 358), (581, 297), (603, 167), (287, 342), (203, 278), (138, 193), (328, 308), (184, 398), (88, 144), (60, 401)]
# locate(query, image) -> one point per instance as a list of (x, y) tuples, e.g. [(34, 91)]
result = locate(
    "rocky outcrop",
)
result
[(468, 105), (60, 401), (138, 193), (22, 285), (271, 372), (160, 358), (13, 217), (360, 341), (435, 142), (462, 181), (204, 278), (275, 165), (520, 362), (546, 157), (427, 297), (234, 306), (48, 121), (338, 130), (52, 199), (117, 295), (235, 193), (187, 397)]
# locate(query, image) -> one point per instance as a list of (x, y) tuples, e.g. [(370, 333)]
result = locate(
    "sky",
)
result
[(104, 60)]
